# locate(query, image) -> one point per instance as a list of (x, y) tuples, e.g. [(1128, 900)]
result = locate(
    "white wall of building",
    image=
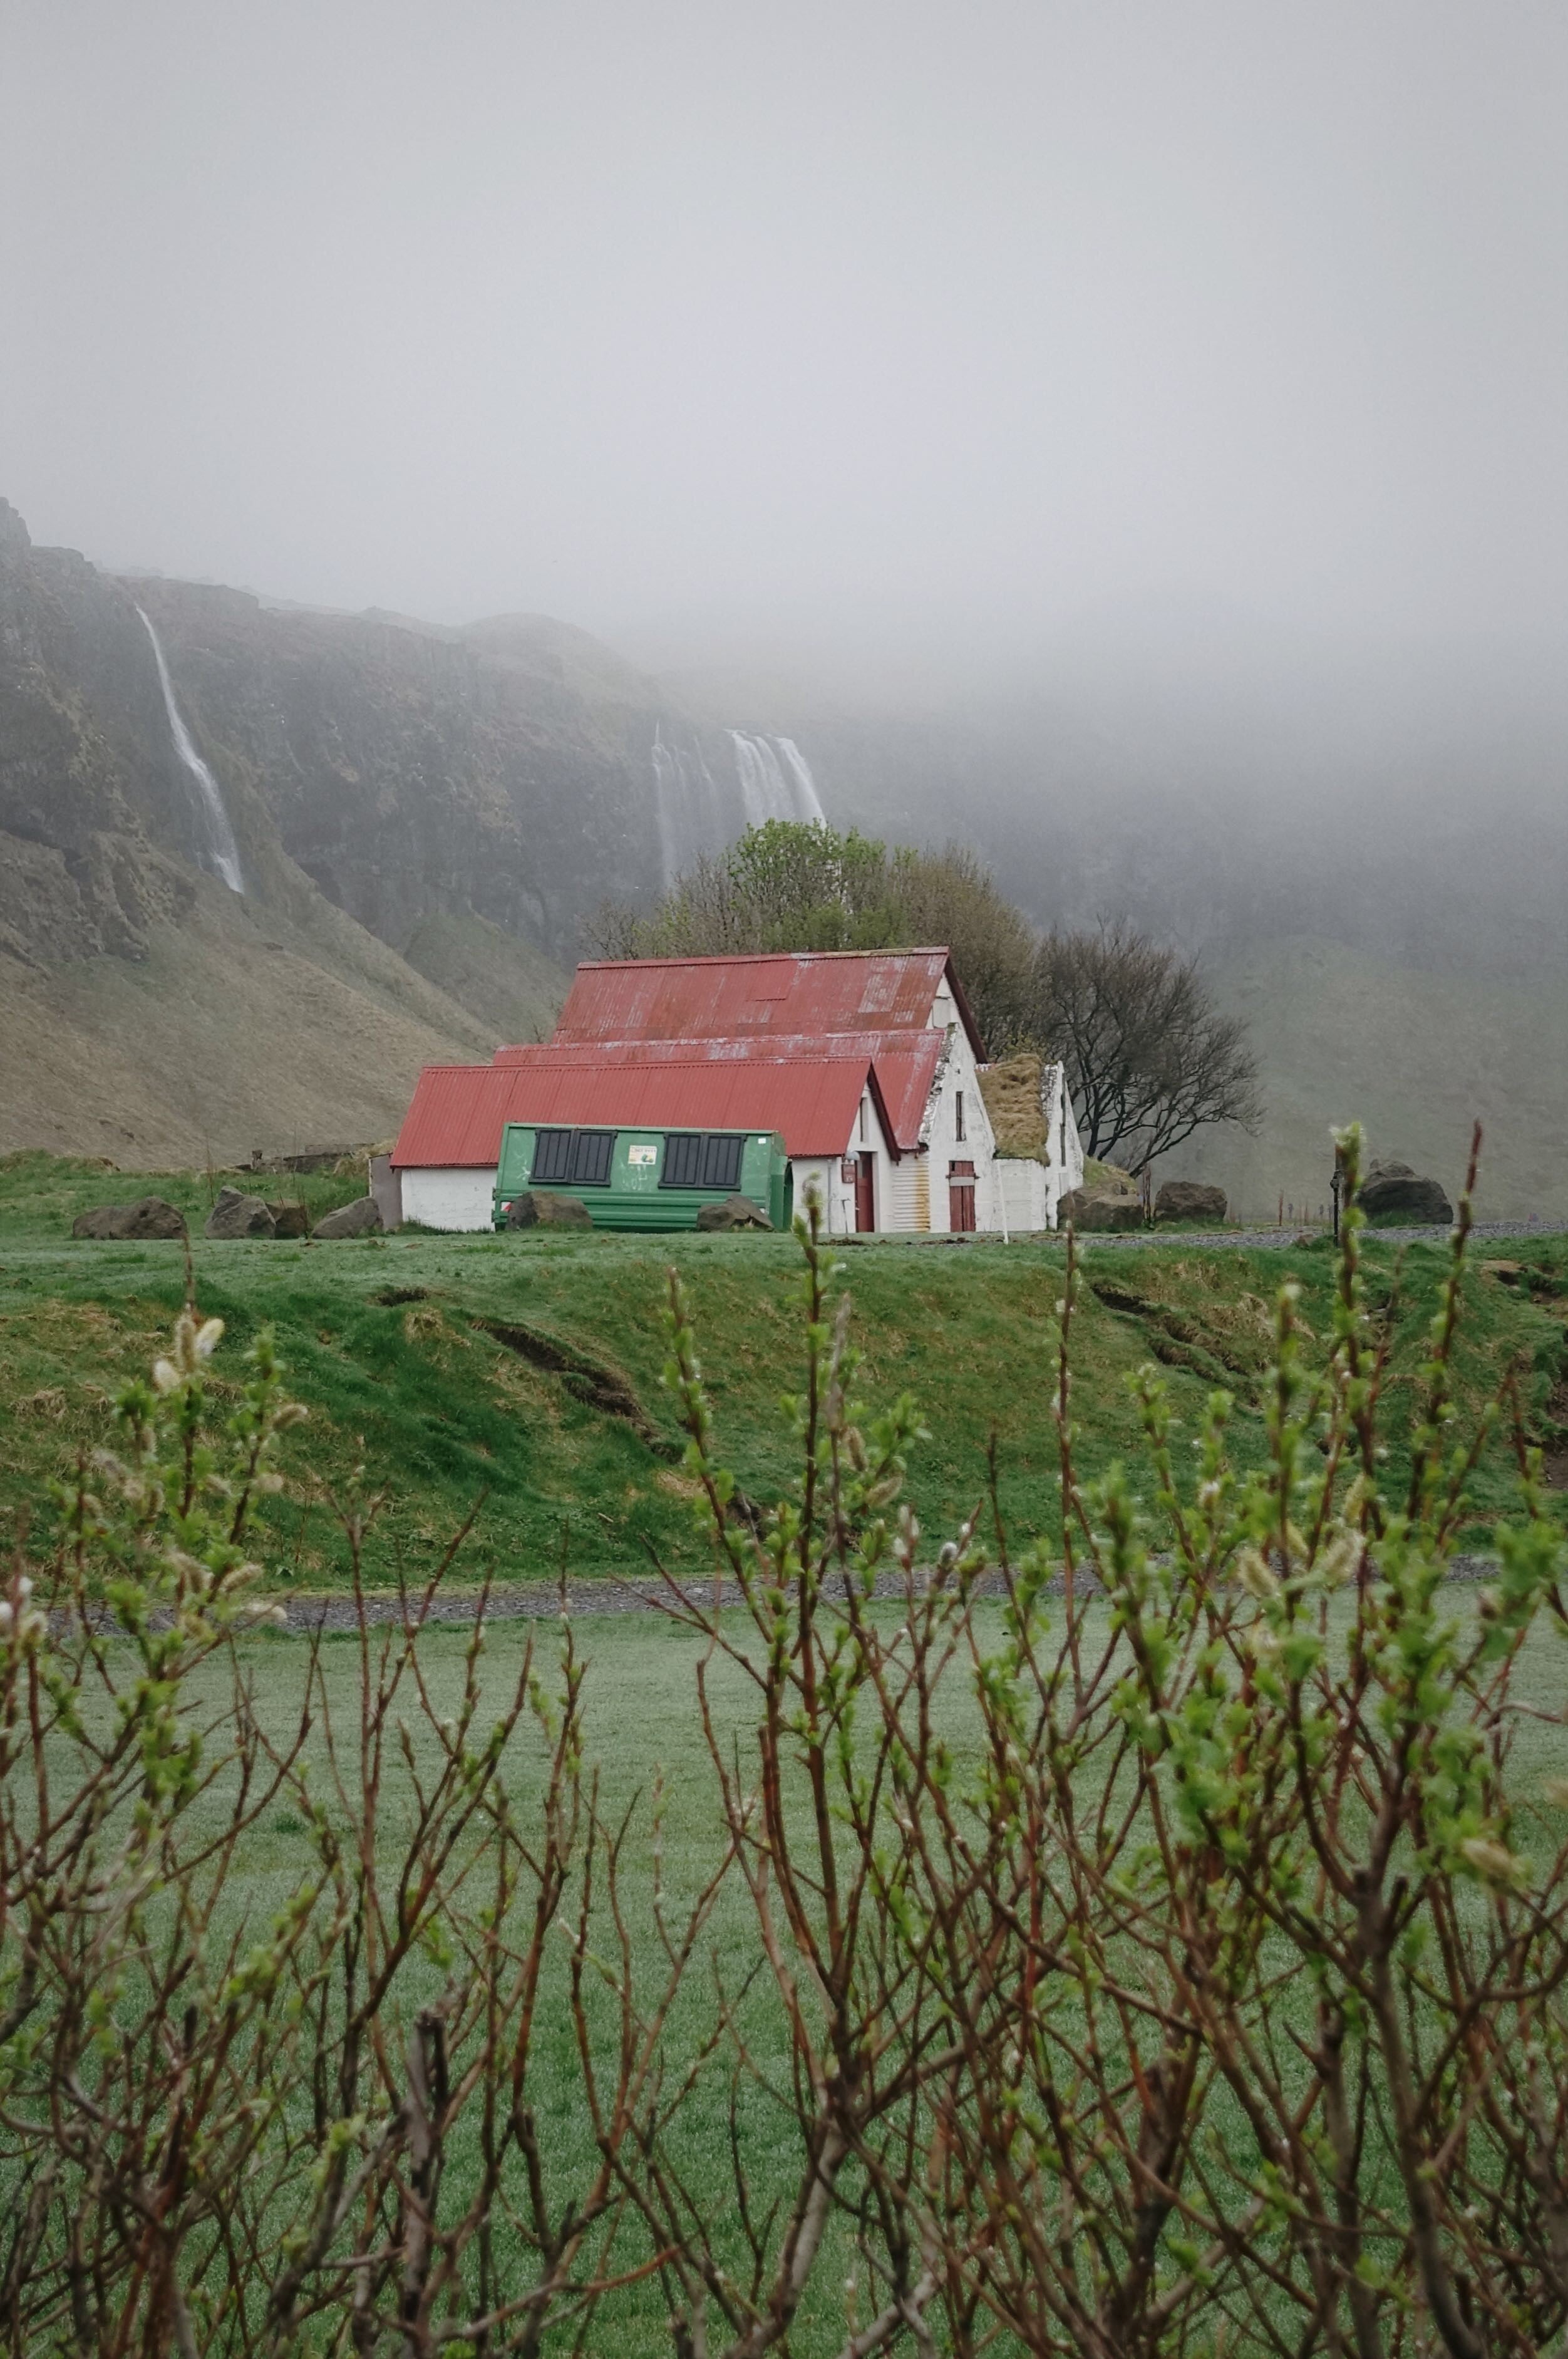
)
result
[(957, 1129), (1062, 1130), (449, 1198), (1028, 1200), (838, 1193)]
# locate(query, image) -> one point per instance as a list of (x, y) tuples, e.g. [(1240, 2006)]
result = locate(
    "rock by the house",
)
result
[(1394, 1188), (1099, 1208), (537, 1209), (1189, 1199), (361, 1218), (289, 1220), (149, 1216), (238, 1215), (734, 1212)]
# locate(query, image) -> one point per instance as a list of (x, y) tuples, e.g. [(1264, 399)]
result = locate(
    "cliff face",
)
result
[(421, 819), (90, 808), (500, 773)]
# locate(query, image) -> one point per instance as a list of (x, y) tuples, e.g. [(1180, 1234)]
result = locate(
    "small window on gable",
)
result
[(957, 1113), (865, 1124)]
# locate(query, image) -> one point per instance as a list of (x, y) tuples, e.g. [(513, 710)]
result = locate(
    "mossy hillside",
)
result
[(527, 1368)]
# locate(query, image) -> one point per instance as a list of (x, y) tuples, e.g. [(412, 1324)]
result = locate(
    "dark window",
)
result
[(591, 1151), (693, 1159), (957, 1113), (721, 1162), (682, 1161), (552, 1157)]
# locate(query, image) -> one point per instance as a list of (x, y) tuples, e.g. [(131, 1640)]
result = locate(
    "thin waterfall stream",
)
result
[(219, 853)]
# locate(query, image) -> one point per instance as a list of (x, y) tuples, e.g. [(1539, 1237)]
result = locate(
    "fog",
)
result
[(926, 341)]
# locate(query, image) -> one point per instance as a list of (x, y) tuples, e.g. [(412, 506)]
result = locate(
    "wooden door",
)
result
[(961, 1198), (865, 1193)]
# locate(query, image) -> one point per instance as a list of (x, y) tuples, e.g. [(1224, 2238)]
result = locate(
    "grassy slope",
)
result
[(514, 989), (271, 1021), (1420, 1056), (385, 1343)]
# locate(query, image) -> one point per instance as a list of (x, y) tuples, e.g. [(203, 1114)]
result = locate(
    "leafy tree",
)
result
[(1149, 1058), (797, 886)]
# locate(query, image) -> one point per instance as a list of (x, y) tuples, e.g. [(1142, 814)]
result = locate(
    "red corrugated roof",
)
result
[(458, 1111), (813, 992), (906, 1064)]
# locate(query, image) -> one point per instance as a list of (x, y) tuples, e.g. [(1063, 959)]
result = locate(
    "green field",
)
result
[(526, 1369), (643, 1733)]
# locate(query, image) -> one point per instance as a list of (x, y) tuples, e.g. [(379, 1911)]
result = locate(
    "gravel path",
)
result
[(541, 1602)]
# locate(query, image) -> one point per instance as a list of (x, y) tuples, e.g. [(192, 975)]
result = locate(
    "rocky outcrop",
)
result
[(734, 1212), (535, 1209), (1393, 1191), (1099, 1208), (1189, 1199), (360, 1219), (149, 1216), (235, 1214), (289, 1220)]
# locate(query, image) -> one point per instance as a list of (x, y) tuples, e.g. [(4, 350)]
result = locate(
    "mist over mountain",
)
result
[(1370, 865), (259, 861), (1366, 850)]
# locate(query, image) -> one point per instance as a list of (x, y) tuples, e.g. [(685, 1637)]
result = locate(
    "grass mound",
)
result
[(526, 1369)]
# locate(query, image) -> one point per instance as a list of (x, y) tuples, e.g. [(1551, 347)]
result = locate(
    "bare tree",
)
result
[(1149, 1058)]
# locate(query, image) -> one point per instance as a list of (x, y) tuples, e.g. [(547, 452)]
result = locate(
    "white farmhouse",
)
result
[(868, 1063)]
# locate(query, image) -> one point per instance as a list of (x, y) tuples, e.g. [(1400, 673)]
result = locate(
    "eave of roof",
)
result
[(906, 1062), (458, 1111)]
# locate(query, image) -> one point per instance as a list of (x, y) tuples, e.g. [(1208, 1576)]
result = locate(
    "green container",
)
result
[(645, 1179)]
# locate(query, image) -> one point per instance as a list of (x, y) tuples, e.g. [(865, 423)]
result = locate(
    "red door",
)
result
[(865, 1193), (961, 1196)]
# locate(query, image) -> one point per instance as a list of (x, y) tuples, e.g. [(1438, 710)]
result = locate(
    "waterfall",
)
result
[(810, 802), (687, 803), (697, 812), (220, 852), (771, 788)]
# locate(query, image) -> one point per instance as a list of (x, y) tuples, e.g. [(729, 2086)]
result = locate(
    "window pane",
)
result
[(721, 1162), (552, 1157), (682, 1161), (590, 1157)]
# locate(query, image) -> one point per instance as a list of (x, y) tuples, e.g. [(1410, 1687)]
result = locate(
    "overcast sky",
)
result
[(844, 324)]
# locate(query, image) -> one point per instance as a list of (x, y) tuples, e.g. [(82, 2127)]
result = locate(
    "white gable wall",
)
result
[(449, 1199), (957, 1128), (827, 1174)]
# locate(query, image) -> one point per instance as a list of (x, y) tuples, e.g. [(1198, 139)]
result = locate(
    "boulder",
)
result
[(1189, 1199), (1099, 1208), (1394, 1191), (734, 1212), (289, 1220), (149, 1216), (237, 1215), (535, 1209), (359, 1218)]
